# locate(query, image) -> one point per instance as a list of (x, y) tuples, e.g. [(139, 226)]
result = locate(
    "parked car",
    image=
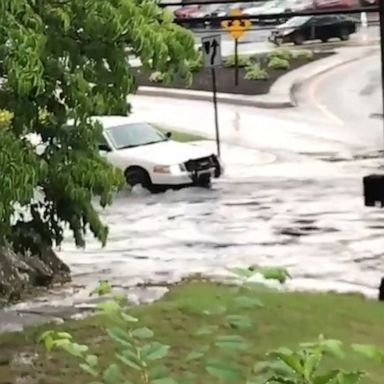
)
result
[(150, 158), (278, 7), (186, 11), (333, 4), (369, 3), (210, 10), (299, 29)]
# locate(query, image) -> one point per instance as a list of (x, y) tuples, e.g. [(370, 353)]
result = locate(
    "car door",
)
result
[(324, 27)]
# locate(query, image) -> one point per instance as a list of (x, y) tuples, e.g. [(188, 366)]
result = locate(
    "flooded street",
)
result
[(316, 226), (291, 196)]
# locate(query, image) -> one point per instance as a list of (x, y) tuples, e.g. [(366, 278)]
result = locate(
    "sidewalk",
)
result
[(282, 92)]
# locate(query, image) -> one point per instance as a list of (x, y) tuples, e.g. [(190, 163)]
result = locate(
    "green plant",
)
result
[(304, 365), (197, 64), (255, 72), (304, 54), (243, 61), (68, 58), (278, 63), (139, 358), (156, 77), (283, 54)]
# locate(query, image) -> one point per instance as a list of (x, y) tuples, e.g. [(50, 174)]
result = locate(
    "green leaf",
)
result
[(349, 377), (239, 322), (112, 374), (326, 378), (64, 335), (220, 310), (158, 372), (230, 342), (167, 380), (92, 360), (120, 336), (334, 347), (281, 380), (90, 370), (223, 370), (128, 318), (130, 360), (206, 330), (154, 351), (143, 333), (247, 302), (291, 359), (74, 349), (369, 351), (272, 273), (109, 307), (311, 364), (102, 289), (198, 353)]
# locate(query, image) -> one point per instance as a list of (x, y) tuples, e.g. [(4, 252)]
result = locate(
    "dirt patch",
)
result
[(202, 80)]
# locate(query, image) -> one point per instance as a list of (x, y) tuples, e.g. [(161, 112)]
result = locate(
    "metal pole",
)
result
[(214, 90), (381, 17), (236, 62)]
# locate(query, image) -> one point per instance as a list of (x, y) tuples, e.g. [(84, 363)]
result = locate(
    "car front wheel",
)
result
[(298, 39), (138, 176)]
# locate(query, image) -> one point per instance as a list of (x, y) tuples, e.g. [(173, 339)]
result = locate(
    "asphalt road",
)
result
[(348, 97)]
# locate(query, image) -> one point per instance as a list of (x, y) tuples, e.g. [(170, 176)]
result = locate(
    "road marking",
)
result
[(315, 85)]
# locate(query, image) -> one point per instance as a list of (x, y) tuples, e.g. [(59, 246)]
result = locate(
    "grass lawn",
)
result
[(285, 320)]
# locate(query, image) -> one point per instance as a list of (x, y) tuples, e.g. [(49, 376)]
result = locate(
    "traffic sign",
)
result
[(211, 47), (236, 28)]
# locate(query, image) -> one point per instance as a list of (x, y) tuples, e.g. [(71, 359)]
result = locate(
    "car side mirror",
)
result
[(104, 148), (168, 135)]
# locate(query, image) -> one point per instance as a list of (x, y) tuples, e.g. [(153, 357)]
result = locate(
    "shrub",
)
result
[(278, 63), (196, 65), (255, 72), (140, 356), (156, 77), (283, 54), (304, 54), (243, 61)]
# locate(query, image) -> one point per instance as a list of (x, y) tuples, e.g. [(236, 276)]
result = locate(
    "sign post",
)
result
[(236, 28), (211, 48)]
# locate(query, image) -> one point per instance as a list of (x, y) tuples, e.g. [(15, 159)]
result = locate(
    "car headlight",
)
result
[(287, 31), (169, 169)]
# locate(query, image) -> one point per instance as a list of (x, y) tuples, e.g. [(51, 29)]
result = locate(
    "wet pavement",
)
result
[(291, 196)]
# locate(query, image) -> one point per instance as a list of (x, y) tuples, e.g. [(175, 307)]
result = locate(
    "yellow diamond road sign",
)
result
[(236, 27)]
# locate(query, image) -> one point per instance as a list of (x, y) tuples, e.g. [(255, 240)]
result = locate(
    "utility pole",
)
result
[(374, 184), (381, 18)]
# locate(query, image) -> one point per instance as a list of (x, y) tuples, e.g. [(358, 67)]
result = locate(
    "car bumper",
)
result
[(278, 39), (198, 177), (184, 178)]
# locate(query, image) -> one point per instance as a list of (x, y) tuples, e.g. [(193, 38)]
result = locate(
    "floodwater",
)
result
[(298, 211)]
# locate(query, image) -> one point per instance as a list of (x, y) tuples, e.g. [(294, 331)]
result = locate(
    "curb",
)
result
[(275, 99)]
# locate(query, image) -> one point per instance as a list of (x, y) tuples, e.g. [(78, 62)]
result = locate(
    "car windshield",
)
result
[(296, 21), (134, 135)]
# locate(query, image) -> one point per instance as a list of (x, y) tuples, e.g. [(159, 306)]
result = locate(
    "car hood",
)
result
[(166, 153)]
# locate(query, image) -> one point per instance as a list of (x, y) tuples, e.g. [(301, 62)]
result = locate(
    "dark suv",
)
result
[(299, 29)]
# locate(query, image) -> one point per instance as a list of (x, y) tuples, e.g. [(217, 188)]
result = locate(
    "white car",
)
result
[(150, 158)]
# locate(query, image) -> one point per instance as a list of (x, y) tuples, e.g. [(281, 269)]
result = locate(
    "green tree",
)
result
[(67, 59)]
